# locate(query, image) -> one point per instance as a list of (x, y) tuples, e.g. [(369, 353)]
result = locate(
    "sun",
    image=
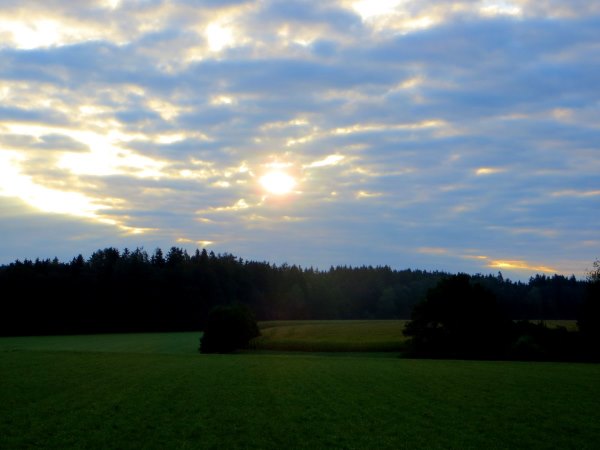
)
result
[(277, 182)]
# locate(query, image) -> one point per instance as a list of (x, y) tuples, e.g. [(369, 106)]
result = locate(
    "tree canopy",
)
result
[(228, 328), (459, 318)]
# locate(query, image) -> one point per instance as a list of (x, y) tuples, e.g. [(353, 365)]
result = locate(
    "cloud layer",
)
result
[(460, 136)]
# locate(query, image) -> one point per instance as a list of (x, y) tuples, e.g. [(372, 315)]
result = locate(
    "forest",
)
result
[(131, 290)]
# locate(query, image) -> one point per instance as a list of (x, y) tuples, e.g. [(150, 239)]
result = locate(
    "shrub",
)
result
[(538, 342), (228, 328)]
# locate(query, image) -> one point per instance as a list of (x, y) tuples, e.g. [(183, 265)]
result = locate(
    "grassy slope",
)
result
[(66, 399), (342, 335)]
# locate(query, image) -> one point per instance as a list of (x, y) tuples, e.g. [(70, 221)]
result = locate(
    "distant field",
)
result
[(331, 335), (174, 397), (570, 325)]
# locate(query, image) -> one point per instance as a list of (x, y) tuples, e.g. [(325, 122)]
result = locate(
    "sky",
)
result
[(457, 136)]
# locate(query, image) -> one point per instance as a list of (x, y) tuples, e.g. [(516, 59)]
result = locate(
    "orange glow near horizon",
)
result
[(516, 265)]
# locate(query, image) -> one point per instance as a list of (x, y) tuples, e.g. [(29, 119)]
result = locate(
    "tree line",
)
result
[(132, 290)]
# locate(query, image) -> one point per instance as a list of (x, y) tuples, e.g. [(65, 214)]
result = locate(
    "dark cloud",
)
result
[(60, 142), (308, 12), (17, 140), (32, 115), (27, 233)]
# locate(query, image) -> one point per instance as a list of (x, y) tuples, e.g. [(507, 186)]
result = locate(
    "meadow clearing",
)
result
[(331, 335), (157, 391)]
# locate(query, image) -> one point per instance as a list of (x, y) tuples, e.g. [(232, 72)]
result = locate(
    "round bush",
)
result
[(228, 328)]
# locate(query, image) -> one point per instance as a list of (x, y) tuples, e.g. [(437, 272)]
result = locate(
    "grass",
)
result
[(331, 336), (184, 343), (173, 397)]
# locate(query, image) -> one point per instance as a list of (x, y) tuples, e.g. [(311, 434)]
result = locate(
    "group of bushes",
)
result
[(461, 319)]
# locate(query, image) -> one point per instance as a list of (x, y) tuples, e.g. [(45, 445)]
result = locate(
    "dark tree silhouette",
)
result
[(228, 328), (459, 319), (589, 317)]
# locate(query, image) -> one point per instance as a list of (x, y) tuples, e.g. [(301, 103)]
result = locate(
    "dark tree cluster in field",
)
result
[(589, 317), (459, 318), (131, 291), (228, 328)]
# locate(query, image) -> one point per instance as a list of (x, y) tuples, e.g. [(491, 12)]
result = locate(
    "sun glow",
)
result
[(218, 37), (277, 182)]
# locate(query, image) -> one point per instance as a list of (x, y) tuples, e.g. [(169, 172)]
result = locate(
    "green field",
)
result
[(331, 335), (167, 343), (157, 391)]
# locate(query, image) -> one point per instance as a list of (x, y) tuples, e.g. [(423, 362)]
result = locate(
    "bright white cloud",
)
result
[(15, 184), (105, 156), (500, 7), (329, 160), (43, 32), (368, 8)]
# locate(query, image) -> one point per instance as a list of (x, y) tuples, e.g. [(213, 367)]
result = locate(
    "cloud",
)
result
[(520, 265), (422, 125), (329, 160)]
